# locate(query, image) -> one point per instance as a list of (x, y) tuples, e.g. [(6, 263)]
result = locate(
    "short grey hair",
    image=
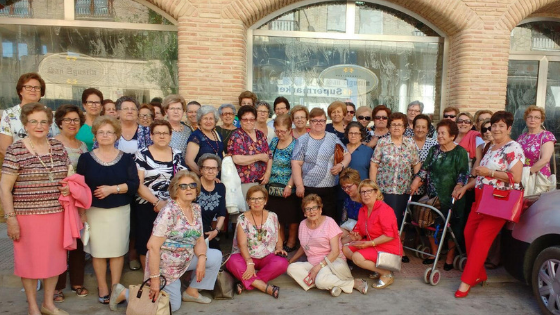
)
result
[(123, 99), (263, 104), (221, 108), (204, 110), (209, 156), (414, 103), (173, 98)]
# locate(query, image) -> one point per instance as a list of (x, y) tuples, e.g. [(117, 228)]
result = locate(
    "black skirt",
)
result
[(287, 209)]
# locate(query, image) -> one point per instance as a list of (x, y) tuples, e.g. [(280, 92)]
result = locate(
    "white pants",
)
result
[(325, 279)]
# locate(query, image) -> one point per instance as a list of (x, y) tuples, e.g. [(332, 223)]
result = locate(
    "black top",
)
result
[(340, 135), (212, 204), (119, 171)]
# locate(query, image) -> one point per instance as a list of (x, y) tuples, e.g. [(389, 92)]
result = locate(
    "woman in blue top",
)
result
[(205, 139), (361, 154), (349, 181), (279, 171)]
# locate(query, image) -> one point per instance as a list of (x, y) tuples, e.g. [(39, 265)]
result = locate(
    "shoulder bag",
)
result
[(139, 302), (338, 154), (538, 183), (386, 261), (225, 283), (504, 204)]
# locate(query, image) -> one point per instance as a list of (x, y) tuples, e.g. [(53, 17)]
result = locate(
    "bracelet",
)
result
[(9, 215), (322, 265), (156, 203), (250, 263), (155, 276), (289, 186), (373, 242), (492, 173), (118, 189), (203, 255)]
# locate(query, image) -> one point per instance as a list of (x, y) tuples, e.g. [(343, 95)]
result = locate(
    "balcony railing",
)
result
[(283, 25), (94, 9), (20, 9)]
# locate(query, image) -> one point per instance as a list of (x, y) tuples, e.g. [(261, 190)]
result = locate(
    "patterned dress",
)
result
[(240, 143), (259, 245), (422, 154), (179, 139), (531, 144), (503, 160), (177, 250)]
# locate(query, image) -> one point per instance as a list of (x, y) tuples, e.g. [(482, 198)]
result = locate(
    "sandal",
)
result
[(239, 288), (80, 291), (58, 296), (275, 290)]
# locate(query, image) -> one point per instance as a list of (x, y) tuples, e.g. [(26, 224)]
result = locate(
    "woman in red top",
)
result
[(376, 231)]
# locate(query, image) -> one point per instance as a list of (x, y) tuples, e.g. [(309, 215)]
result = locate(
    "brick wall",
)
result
[(213, 37)]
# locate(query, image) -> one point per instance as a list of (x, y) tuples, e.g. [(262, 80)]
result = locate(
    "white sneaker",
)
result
[(335, 291)]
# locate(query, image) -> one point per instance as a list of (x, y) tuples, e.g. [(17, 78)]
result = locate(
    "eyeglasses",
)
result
[(300, 118), (210, 168), (534, 117), (145, 116), (351, 112), (354, 134), (256, 199), (129, 109), (262, 112), (485, 130), (227, 114), (175, 109), (368, 118), (367, 192), (397, 125), (93, 103), (449, 116), (248, 120), (311, 209), (414, 111), (105, 133), (280, 132), (464, 121), (185, 186), (347, 187), (71, 121), (318, 121), (280, 108), (32, 88), (381, 117), (34, 122), (161, 134)]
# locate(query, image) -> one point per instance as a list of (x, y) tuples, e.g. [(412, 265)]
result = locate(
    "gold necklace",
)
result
[(51, 176)]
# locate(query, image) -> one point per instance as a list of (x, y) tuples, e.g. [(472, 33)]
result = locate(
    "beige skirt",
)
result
[(109, 230)]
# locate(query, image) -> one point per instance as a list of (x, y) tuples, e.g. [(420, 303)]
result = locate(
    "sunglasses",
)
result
[(464, 121), (351, 112), (381, 117), (449, 116), (185, 186), (364, 117), (485, 130)]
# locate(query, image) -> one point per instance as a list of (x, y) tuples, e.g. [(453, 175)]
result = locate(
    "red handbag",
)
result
[(504, 204)]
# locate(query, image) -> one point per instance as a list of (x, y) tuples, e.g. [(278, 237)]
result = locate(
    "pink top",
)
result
[(531, 144), (316, 242)]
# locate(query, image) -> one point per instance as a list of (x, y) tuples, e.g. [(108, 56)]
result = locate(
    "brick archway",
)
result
[(522, 9)]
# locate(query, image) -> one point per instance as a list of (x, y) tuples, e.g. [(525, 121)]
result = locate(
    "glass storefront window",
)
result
[(137, 63), (536, 36), (127, 11), (323, 17), (38, 9), (375, 19), (552, 102), (521, 91)]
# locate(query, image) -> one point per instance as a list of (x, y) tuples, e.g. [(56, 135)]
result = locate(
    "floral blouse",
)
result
[(281, 162), (394, 170), (422, 154), (180, 236), (531, 145), (269, 238), (240, 143), (502, 159)]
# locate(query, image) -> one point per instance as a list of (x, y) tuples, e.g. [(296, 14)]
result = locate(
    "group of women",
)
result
[(156, 190)]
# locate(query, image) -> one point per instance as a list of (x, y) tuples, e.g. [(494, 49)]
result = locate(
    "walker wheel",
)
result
[(427, 275), (435, 277), (419, 247), (456, 261), (462, 263), (425, 249)]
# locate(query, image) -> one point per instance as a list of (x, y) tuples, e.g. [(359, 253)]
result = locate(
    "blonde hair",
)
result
[(255, 189), (174, 185), (534, 108), (309, 199), (106, 120), (349, 176), (337, 104), (372, 184)]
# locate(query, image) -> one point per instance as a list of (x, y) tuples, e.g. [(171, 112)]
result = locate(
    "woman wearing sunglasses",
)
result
[(486, 131), (380, 130), (177, 245)]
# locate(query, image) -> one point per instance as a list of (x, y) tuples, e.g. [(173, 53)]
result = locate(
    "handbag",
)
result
[(139, 302), (499, 203), (387, 261), (538, 183), (424, 216), (338, 154), (225, 284), (84, 234)]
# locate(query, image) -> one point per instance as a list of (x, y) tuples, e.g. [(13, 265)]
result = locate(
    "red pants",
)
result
[(268, 268), (480, 232)]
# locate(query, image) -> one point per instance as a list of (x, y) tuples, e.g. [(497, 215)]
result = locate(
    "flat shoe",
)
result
[(57, 311), (428, 261), (115, 292), (362, 287), (134, 265), (58, 296), (383, 284), (447, 267), (200, 299), (374, 275), (80, 291), (335, 291), (405, 259)]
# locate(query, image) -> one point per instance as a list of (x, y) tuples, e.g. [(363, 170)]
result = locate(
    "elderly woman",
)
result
[(30, 88), (249, 149), (146, 115), (69, 119), (192, 110), (486, 131), (112, 176), (156, 164), (421, 127), (361, 154), (227, 115), (414, 109), (363, 116), (337, 112), (280, 166), (175, 106), (31, 184), (299, 115), (280, 106), (350, 112), (504, 156), (91, 101), (349, 182), (109, 108), (133, 135), (205, 139), (177, 245), (263, 112), (537, 144), (212, 198), (480, 116), (326, 266), (313, 167), (257, 246), (468, 138), (376, 231), (445, 171), (380, 130), (158, 110)]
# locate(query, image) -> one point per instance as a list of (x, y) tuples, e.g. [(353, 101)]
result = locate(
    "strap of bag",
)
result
[(486, 147), (162, 285), (511, 182)]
